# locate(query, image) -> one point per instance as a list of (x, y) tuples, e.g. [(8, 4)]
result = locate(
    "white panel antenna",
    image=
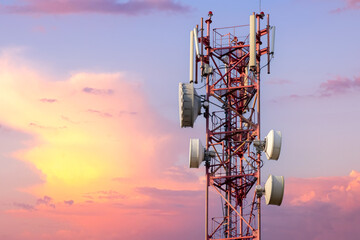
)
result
[(272, 48), (252, 41), (191, 79), (189, 104), (196, 42), (196, 153)]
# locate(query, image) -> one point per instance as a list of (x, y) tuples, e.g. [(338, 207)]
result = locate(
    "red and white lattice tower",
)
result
[(229, 66)]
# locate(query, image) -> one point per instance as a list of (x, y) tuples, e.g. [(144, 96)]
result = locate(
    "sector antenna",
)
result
[(224, 87)]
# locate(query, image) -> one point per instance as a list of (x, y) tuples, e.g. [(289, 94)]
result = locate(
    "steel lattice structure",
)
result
[(232, 126)]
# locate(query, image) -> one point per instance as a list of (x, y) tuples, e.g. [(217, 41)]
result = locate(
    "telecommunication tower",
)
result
[(229, 66)]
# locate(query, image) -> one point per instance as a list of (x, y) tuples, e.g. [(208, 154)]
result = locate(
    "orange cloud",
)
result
[(109, 162), (87, 130)]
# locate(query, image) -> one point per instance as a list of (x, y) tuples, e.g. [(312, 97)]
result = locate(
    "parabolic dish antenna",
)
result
[(274, 190), (196, 153), (273, 145), (189, 104)]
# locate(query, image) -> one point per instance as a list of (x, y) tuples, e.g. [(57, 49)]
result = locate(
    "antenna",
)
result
[(229, 66), (196, 153), (252, 42), (273, 145), (272, 49), (189, 104), (196, 42), (273, 190), (191, 57)]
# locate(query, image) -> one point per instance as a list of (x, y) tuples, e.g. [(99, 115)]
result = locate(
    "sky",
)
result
[(91, 146)]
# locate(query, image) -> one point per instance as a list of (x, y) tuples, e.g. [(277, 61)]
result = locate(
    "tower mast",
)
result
[(230, 69)]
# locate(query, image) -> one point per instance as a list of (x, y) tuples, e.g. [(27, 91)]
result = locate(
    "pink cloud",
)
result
[(69, 202), (343, 192), (24, 206), (329, 88), (168, 193), (349, 5), (46, 200), (130, 7), (316, 208), (339, 85), (100, 113), (109, 195), (97, 91), (122, 171), (164, 214)]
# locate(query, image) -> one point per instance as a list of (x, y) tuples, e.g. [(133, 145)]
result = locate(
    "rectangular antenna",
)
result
[(196, 42), (252, 41), (191, 56), (272, 40)]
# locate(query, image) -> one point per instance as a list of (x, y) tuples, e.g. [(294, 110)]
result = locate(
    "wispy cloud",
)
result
[(100, 113), (130, 7), (36, 125), (349, 5), (330, 88), (46, 200), (48, 100), (122, 113), (339, 85), (24, 206), (107, 195), (69, 202), (183, 174), (167, 193), (97, 91)]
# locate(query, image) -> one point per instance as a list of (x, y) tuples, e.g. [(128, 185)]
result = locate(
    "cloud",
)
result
[(69, 202), (130, 7), (107, 195), (183, 174), (45, 127), (168, 193), (46, 200), (324, 207), (342, 192), (330, 88), (340, 85), (24, 206), (99, 113), (84, 140), (349, 5), (96, 91), (126, 167), (48, 100)]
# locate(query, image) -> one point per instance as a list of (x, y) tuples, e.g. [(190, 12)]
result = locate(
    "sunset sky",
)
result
[(90, 143)]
